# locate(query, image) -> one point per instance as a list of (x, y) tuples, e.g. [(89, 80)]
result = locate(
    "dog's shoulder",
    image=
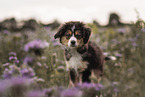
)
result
[(94, 48), (93, 55)]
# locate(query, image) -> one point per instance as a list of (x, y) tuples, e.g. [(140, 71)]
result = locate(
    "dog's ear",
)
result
[(59, 32), (86, 34)]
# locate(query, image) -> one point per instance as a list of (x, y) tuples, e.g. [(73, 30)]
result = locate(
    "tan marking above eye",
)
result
[(69, 32), (77, 33)]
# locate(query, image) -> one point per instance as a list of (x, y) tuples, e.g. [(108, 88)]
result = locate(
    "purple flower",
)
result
[(19, 81), (12, 53), (105, 54), (72, 92), (36, 44), (89, 89), (18, 86), (118, 55), (60, 68), (131, 39), (97, 87), (3, 88), (55, 42), (7, 73), (115, 41), (134, 44), (27, 72), (6, 64), (116, 90), (39, 64), (35, 93), (15, 86), (28, 60), (16, 61), (6, 32), (143, 29), (12, 58), (121, 30)]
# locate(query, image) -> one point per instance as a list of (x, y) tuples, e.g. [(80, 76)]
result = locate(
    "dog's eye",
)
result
[(68, 34), (78, 34)]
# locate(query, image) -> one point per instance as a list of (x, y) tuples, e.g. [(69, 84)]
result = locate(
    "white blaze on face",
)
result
[(73, 28), (73, 38)]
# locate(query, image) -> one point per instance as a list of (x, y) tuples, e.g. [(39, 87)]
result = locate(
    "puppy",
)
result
[(83, 57)]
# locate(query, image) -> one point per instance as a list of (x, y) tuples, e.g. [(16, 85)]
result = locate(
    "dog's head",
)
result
[(73, 34)]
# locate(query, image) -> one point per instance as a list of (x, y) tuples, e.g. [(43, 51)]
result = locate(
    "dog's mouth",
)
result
[(73, 45)]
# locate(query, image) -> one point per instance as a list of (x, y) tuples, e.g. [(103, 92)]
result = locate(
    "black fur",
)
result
[(89, 52), (93, 55), (79, 26)]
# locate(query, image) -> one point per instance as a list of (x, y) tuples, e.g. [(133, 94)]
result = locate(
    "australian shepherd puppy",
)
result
[(83, 57)]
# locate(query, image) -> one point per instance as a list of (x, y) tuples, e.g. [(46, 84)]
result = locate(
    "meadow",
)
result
[(32, 62)]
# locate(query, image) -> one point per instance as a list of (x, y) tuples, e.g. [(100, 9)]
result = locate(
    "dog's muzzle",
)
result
[(73, 43)]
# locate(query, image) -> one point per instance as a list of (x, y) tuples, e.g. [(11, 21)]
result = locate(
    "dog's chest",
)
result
[(75, 61)]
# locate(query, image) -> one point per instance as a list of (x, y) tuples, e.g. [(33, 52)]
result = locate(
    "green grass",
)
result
[(124, 77)]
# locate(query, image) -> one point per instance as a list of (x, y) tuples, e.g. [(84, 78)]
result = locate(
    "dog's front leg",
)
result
[(75, 78)]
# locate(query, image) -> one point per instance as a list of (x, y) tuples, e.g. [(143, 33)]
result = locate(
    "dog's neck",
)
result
[(82, 49)]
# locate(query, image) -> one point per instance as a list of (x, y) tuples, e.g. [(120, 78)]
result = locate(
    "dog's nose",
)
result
[(73, 42)]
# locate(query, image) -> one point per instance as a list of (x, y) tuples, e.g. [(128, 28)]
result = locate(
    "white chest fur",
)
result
[(75, 61)]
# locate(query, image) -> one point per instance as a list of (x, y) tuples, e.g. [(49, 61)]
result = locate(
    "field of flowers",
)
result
[(32, 63)]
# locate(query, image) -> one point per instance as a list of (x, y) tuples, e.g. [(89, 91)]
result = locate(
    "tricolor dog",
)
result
[(83, 57)]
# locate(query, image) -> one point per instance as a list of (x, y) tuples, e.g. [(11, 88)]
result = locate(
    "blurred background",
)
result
[(62, 10), (32, 62)]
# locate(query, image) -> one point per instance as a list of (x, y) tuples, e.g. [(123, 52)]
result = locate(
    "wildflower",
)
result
[(12, 58), (55, 42), (118, 55), (143, 29), (61, 69), (18, 86), (89, 89), (45, 65), (105, 53), (98, 87), (6, 64), (7, 73), (3, 88), (49, 92), (72, 92), (12, 70), (132, 40), (28, 60), (35, 93), (39, 64), (19, 81), (115, 41), (16, 61), (27, 72), (12, 54), (116, 90), (115, 83), (134, 44), (6, 32), (36, 46), (121, 30)]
